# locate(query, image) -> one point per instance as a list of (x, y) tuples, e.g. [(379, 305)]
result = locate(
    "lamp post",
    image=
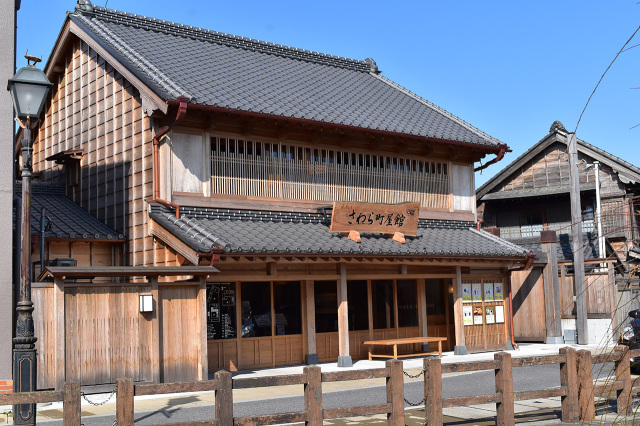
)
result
[(29, 89)]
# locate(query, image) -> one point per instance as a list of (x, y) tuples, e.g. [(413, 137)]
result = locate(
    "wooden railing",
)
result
[(577, 390)]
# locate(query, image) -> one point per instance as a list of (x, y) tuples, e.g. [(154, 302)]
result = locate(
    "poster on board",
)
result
[(488, 292), (499, 314), (497, 292), (466, 292), (467, 315), (489, 316), (476, 292), (477, 315)]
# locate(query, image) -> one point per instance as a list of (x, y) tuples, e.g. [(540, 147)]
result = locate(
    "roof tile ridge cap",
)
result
[(135, 57), (349, 63), (204, 232), (436, 108), (499, 240)]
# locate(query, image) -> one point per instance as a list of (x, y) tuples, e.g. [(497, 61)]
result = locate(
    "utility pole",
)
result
[(578, 250)]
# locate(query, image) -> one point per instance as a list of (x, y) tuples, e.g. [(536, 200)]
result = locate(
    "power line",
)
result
[(602, 77)]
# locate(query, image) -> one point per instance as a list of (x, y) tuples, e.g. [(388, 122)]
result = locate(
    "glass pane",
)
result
[(407, 303), (256, 309), (358, 305), (221, 311), (286, 306), (382, 299), (326, 301), (436, 291)]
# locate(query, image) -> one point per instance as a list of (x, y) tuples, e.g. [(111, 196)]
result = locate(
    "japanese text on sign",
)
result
[(378, 218)]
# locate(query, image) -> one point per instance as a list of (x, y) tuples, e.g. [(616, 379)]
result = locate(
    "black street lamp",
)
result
[(29, 89)]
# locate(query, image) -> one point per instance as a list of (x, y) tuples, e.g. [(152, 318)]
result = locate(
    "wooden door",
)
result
[(528, 305), (180, 333)]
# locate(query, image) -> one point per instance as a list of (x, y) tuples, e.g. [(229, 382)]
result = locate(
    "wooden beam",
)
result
[(344, 359), (457, 313), (203, 359), (311, 356), (422, 307), (184, 250), (59, 333), (155, 331)]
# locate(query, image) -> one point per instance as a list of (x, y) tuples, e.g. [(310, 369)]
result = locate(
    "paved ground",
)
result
[(539, 412)]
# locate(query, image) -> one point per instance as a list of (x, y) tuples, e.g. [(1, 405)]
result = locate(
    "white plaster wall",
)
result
[(599, 331), (7, 70)]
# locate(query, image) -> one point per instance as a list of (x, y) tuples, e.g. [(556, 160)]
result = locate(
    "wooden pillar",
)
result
[(461, 348), (578, 253), (422, 312), (203, 357), (312, 356), (551, 285), (59, 332), (613, 297), (155, 331), (344, 359)]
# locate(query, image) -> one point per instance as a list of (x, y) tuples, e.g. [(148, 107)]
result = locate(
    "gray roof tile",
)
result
[(239, 231), (67, 219), (237, 73)]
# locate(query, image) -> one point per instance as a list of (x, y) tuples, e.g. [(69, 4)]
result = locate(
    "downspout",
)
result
[(499, 156), (527, 265), (182, 111)]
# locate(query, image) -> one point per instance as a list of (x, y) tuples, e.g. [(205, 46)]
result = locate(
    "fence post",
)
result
[(395, 393), (313, 396), (587, 408), (224, 398), (71, 407), (623, 373), (432, 392), (569, 379), (124, 401), (504, 386)]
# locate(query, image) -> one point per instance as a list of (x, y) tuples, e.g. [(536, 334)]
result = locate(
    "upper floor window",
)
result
[(275, 170)]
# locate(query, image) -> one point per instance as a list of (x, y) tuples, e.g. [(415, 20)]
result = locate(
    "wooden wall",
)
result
[(550, 169), (86, 253), (600, 295), (106, 337), (529, 323), (93, 108)]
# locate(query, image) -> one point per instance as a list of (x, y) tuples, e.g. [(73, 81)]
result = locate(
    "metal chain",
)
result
[(417, 403), (113, 392), (416, 376)]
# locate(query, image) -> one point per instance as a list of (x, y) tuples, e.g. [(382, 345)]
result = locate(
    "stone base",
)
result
[(460, 350), (345, 361), (510, 346), (311, 359), (558, 340)]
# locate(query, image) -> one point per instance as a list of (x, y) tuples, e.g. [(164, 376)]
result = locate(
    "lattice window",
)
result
[(274, 170), (613, 217)]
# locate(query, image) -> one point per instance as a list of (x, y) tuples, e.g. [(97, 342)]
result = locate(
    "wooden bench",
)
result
[(404, 341)]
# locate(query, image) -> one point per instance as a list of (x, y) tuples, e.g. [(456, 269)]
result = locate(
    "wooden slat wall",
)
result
[(106, 335), (95, 109), (44, 323), (599, 300), (528, 305), (278, 171)]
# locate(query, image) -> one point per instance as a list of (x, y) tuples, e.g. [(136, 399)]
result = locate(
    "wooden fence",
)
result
[(577, 391)]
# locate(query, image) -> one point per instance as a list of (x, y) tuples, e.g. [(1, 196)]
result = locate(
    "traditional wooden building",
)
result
[(210, 149), (531, 196)]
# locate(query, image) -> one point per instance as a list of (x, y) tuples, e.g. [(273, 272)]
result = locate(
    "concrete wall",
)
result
[(7, 70)]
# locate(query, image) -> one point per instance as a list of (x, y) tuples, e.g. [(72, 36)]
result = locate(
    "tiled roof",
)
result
[(67, 220), (238, 73), (238, 231)]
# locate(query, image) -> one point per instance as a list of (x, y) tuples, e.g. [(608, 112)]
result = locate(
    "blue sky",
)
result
[(508, 67)]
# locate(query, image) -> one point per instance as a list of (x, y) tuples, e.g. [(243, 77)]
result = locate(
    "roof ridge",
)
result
[(211, 36), (437, 109), (134, 56)]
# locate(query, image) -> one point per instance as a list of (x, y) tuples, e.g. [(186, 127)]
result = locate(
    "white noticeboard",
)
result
[(499, 314), (467, 315)]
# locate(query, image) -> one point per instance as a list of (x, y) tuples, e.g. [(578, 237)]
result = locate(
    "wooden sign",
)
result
[(377, 218)]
